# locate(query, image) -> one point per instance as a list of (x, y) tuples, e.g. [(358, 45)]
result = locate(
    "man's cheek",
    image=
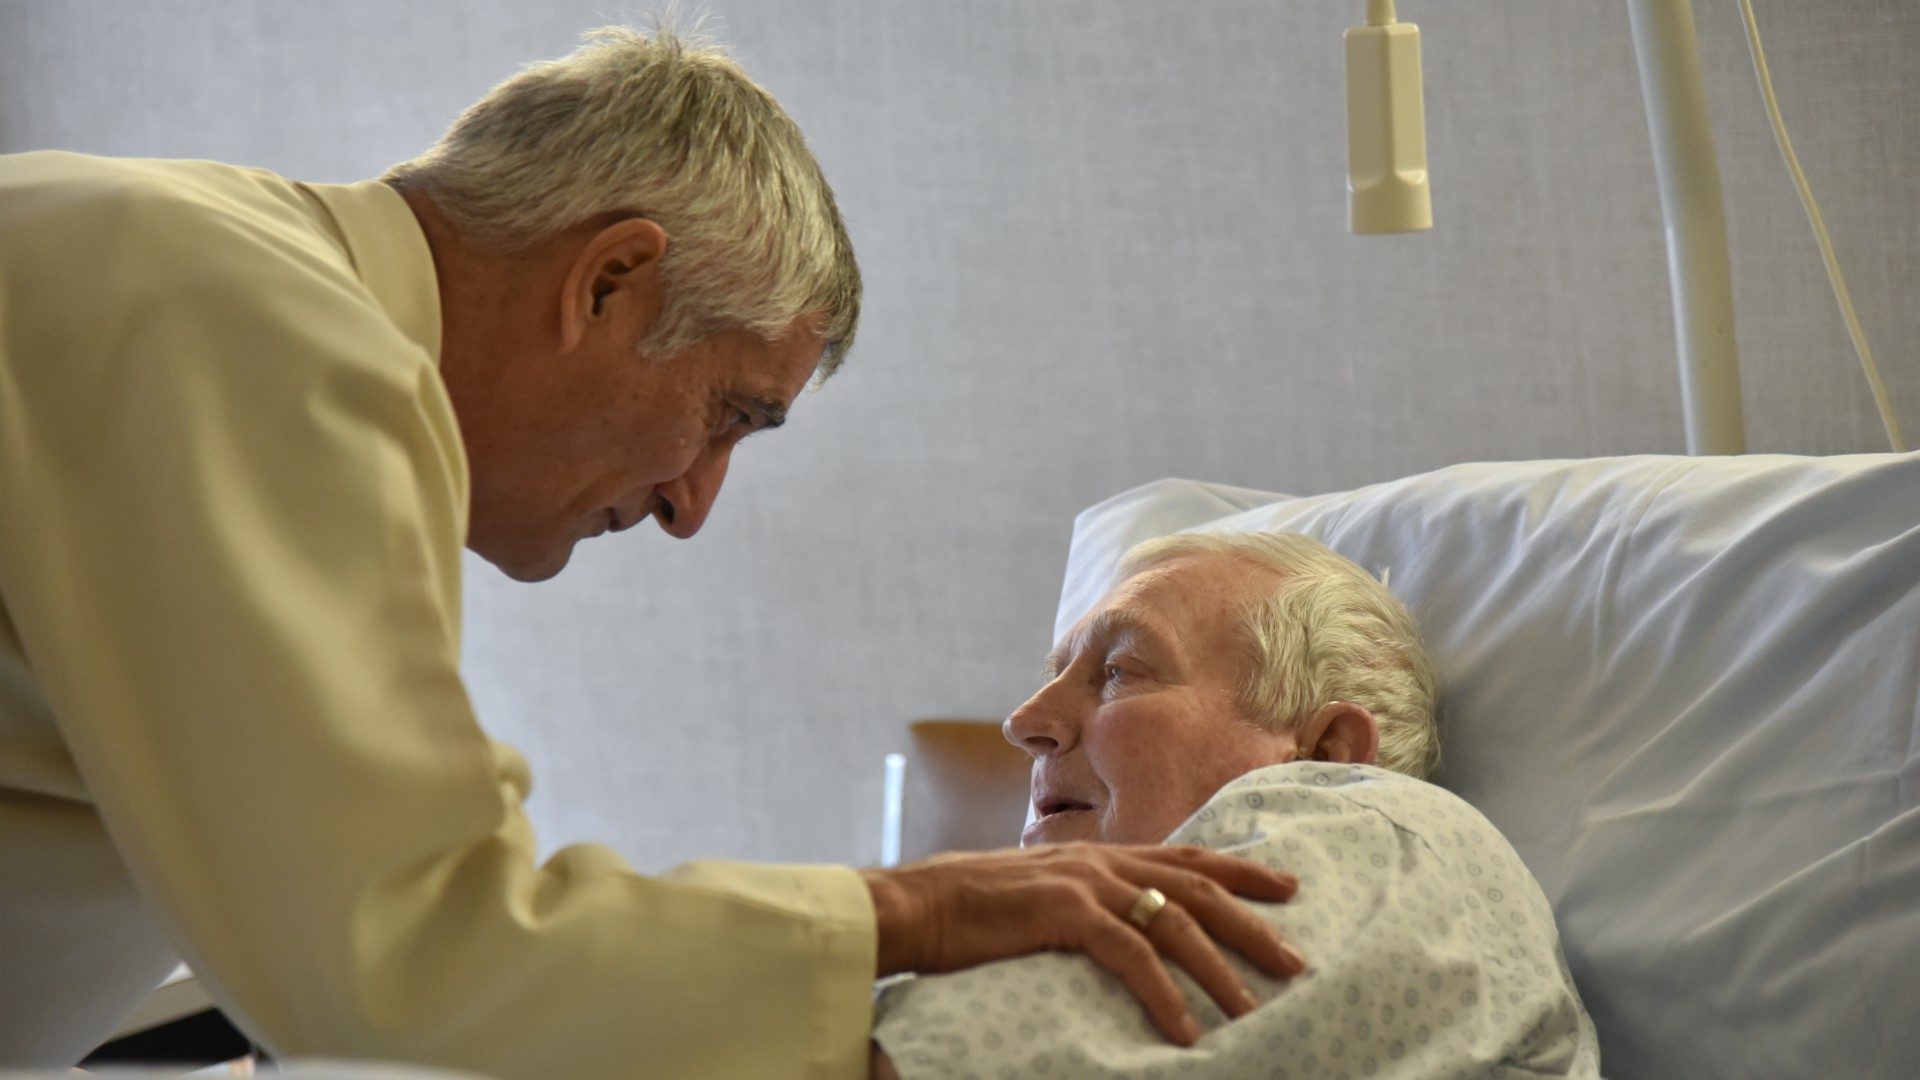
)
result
[(1140, 813)]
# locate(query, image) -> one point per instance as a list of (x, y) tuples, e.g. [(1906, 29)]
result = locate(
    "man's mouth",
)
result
[(617, 522), (1054, 794), (1057, 819)]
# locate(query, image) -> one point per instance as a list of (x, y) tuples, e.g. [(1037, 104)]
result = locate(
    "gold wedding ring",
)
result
[(1146, 909)]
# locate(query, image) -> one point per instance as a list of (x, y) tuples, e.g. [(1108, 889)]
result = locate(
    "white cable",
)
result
[(1820, 234)]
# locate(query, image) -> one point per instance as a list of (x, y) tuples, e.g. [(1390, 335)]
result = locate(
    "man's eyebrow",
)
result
[(1056, 661), (772, 413), (1105, 626)]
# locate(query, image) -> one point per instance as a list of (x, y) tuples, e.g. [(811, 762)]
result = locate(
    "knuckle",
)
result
[(1064, 894), (1199, 889), (1176, 920), (1140, 952), (1081, 861), (1218, 895), (1184, 939), (1189, 855), (1125, 944), (1218, 890), (1055, 856)]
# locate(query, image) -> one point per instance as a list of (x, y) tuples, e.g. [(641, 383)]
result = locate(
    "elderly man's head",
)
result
[(1212, 656), (640, 263)]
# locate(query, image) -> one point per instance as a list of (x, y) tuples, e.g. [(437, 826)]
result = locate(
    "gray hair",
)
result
[(1326, 632), (668, 127)]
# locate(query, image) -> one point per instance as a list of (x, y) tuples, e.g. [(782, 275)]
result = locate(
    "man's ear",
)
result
[(1343, 732), (614, 282)]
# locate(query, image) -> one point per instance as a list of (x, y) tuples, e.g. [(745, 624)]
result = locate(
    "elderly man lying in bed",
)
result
[(1261, 695)]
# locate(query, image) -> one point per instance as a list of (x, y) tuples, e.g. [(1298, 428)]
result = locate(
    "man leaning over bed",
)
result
[(1260, 695), (247, 424)]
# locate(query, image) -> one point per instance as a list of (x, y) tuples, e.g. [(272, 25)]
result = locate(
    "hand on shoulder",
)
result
[(956, 911)]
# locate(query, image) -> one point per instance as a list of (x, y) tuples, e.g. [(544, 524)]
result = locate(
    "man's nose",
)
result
[(686, 500), (1041, 727)]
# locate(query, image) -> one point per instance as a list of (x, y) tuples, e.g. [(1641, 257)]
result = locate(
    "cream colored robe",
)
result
[(232, 725)]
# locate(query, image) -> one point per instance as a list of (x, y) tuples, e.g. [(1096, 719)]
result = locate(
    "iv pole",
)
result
[(1387, 187), (1667, 49)]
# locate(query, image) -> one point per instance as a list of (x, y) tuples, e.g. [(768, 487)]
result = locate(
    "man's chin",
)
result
[(528, 568)]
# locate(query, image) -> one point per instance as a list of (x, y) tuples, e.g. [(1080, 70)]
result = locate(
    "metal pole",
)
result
[(1667, 48)]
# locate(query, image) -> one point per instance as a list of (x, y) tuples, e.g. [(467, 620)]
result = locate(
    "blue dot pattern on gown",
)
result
[(1431, 952)]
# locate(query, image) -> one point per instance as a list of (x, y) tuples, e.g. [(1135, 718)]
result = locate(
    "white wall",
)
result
[(1104, 242)]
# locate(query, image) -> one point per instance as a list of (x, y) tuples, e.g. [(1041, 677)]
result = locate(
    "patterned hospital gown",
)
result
[(1431, 953)]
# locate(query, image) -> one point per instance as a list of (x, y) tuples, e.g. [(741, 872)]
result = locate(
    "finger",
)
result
[(1226, 920), (1243, 877), (1115, 945), (1179, 938)]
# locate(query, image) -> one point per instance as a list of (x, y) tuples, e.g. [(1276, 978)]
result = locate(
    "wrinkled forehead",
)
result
[(1194, 601), (1198, 585)]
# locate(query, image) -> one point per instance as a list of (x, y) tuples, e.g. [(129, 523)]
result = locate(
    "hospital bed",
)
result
[(1688, 690)]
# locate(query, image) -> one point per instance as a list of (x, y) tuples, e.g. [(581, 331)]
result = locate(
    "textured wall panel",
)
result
[(1104, 243)]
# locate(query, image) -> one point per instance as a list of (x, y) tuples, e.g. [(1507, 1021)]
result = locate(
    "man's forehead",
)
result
[(787, 358), (1184, 595), (782, 367), (1105, 622), (1137, 604), (1180, 586)]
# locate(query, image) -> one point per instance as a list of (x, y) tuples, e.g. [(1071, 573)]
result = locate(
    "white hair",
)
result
[(1325, 632), (667, 127)]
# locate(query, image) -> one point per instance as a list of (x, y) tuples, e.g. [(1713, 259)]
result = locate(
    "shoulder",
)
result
[(142, 195), (166, 229), (221, 299), (220, 270), (1336, 812), (1312, 787), (1370, 825)]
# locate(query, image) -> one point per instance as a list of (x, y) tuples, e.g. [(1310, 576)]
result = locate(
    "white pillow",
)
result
[(1688, 690)]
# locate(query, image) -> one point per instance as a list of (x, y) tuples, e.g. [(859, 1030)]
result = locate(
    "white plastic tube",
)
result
[(1667, 48), (890, 809), (1834, 277)]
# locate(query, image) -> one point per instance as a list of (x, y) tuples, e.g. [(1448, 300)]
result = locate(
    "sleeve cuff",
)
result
[(836, 901)]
